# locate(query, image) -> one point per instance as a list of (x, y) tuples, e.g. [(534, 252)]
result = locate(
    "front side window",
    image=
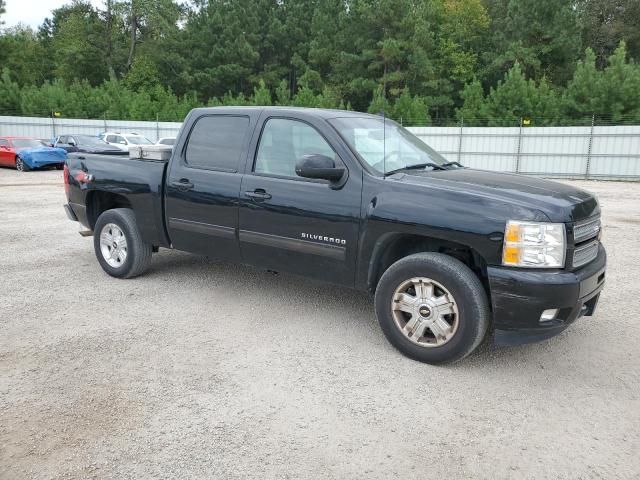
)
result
[(216, 142), (111, 138), (385, 146), (283, 142), (4, 143)]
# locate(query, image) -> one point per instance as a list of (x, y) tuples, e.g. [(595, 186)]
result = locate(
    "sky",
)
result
[(32, 12)]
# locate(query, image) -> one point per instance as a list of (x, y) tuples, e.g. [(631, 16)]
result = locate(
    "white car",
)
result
[(125, 140), (166, 141)]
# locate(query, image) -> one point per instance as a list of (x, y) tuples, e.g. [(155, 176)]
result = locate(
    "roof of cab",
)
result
[(319, 112)]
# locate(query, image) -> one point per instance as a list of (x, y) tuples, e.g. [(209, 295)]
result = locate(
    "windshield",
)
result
[(138, 141), (385, 146), (90, 141), (27, 143)]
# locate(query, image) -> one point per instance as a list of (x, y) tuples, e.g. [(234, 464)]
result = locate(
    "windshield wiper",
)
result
[(457, 164), (417, 166)]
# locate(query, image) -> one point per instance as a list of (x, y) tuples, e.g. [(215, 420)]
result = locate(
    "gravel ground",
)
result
[(200, 369)]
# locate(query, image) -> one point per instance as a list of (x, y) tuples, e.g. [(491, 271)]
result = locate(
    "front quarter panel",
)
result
[(391, 208)]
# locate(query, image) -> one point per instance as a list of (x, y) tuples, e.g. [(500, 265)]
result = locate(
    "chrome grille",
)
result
[(586, 230), (585, 253)]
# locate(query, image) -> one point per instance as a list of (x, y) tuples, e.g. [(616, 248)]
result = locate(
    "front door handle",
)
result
[(258, 194), (183, 185)]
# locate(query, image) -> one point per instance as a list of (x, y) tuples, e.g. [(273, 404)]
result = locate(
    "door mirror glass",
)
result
[(319, 166)]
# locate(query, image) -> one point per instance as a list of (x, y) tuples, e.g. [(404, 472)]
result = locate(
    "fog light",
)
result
[(548, 315)]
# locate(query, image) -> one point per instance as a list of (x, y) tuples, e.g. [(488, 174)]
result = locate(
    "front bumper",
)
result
[(519, 297)]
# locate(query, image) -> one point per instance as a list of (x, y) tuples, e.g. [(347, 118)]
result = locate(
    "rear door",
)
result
[(203, 184), (294, 224)]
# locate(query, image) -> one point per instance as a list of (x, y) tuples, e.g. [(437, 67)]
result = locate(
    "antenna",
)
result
[(384, 145)]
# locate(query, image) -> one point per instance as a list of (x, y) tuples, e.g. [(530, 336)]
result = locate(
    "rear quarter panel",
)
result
[(140, 182)]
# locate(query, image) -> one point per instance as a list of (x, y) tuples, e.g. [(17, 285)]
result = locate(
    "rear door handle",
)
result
[(183, 184), (258, 194)]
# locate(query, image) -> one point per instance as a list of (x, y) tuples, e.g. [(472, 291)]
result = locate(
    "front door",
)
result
[(203, 185), (289, 223)]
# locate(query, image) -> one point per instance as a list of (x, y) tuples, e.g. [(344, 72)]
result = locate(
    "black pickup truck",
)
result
[(452, 254)]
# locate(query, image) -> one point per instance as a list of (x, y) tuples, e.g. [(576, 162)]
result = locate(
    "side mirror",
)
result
[(319, 166)]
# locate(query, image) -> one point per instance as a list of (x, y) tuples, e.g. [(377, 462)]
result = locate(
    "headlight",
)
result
[(534, 245)]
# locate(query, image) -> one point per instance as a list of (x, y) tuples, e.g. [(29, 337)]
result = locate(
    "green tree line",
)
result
[(484, 62)]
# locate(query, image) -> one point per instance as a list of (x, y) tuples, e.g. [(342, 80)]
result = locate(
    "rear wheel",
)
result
[(21, 166), (118, 244), (432, 308)]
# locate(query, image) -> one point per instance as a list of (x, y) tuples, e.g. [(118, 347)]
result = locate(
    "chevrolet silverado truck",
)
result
[(452, 255)]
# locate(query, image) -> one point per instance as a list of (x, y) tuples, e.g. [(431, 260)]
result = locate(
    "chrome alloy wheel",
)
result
[(425, 312), (113, 245), (19, 164)]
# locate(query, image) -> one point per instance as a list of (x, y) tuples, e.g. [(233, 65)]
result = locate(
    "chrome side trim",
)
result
[(204, 228), (335, 252)]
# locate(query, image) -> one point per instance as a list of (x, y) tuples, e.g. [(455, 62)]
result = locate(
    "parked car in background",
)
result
[(86, 144), (124, 140), (166, 141), (26, 154)]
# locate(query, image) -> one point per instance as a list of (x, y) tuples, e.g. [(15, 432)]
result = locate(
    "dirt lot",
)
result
[(205, 370)]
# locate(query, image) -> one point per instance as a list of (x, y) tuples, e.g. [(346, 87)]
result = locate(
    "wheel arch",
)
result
[(98, 202), (395, 246)]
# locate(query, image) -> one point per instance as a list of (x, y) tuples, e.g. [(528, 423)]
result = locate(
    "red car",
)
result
[(26, 154)]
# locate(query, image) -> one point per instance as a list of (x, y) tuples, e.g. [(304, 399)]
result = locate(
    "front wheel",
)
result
[(118, 244), (432, 308), (21, 166)]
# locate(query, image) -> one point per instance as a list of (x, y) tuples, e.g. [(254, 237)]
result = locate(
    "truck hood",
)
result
[(106, 150), (559, 202)]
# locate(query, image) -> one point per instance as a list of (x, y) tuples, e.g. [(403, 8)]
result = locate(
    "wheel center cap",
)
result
[(424, 311), (115, 245)]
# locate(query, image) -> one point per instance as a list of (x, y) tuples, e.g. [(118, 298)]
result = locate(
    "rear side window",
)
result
[(216, 142)]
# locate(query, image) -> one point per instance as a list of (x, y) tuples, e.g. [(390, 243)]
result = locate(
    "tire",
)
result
[(452, 302), (60, 166), (118, 244), (21, 166)]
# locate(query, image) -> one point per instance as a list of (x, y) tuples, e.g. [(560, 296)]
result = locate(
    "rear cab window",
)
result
[(216, 142)]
